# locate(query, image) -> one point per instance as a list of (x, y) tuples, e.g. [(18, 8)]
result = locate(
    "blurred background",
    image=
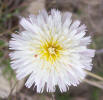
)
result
[(90, 12)]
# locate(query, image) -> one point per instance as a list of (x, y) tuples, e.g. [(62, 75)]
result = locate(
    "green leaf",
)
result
[(1, 53), (95, 94), (2, 43)]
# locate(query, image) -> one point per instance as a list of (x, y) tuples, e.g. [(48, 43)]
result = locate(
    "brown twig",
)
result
[(9, 31), (12, 89)]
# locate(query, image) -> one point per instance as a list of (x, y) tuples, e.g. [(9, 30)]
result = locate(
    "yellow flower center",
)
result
[(50, 51)]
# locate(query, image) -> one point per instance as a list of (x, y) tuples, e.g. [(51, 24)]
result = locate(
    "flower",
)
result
[(52, 50)]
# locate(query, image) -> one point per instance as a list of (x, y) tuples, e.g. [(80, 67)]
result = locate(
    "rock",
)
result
[(35, 6), (6, 87)]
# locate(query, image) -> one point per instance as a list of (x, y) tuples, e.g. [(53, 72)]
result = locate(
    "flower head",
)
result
[(52, 50)]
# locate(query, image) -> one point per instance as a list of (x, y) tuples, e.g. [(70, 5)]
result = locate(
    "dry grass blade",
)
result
[(94, 75), (93, 83), (97, 83), (53, 96)]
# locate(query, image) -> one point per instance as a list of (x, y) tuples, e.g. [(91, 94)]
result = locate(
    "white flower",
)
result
[(52, 50)]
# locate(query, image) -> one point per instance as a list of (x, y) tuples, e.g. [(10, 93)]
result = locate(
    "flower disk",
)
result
[(52, 50)]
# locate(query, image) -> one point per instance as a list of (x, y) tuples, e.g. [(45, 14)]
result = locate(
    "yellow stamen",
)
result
[(50, 50)]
